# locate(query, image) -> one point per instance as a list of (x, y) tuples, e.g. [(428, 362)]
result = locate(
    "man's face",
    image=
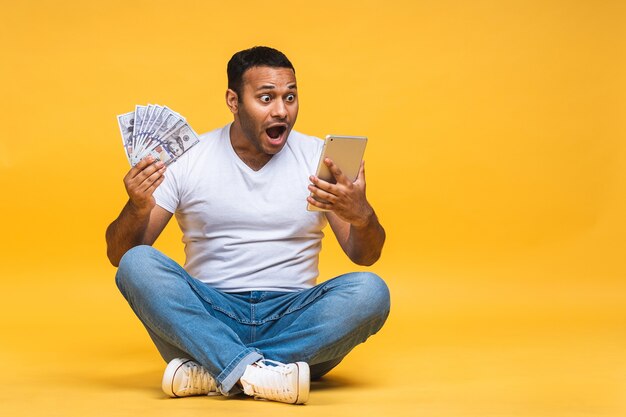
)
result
[(268, 107)]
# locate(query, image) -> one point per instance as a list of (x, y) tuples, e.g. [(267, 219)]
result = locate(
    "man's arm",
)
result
[(351, 218), (141, 220)]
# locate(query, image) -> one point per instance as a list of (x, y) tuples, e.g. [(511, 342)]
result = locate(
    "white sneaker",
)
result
[(277, 382), (184, 377)]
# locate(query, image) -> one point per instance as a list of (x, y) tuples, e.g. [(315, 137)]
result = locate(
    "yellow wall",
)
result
[(495, 127)]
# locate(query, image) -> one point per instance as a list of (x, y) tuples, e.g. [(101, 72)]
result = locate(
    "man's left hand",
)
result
[(345, 198)]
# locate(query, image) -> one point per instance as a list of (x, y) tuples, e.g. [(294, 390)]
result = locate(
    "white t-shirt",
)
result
[(246, 230)]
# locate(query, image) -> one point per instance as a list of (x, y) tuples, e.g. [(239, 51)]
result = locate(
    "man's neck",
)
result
[(246, 151)]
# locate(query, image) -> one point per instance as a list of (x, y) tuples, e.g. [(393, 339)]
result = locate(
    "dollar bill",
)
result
[(168, 124), (156, 110), (155, 130), (144, 124), (156, 120), (127, 125), (140, 114), (179, 141)]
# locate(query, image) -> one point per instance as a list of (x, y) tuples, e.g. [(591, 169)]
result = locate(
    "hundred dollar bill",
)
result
[(157, 120), (156, 110), (140, 114), (144, 123), (153, 146), (168, 124), (155, 130), (145, 144), (170, 147), (127, 124), (178, 142)]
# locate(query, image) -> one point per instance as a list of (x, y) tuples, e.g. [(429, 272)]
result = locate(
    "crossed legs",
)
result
[(226, 332)]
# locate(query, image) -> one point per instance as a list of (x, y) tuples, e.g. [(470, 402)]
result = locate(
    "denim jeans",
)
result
[(225, 332)]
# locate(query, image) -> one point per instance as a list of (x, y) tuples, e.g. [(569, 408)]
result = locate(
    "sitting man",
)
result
[(245, 313)]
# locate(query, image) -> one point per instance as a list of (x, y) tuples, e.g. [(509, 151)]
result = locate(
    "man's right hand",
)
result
[(141, 221), (141, 181)]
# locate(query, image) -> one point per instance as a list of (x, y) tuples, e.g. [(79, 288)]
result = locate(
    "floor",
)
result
[(450, 348)]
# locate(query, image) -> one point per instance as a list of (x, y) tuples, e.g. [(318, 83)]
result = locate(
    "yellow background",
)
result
[(496, 162)]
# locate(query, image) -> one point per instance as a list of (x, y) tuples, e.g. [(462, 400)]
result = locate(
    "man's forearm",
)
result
[(365, 243), (126, 232)]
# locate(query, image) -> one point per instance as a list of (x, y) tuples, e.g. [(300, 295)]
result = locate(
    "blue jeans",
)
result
[(225, 332)]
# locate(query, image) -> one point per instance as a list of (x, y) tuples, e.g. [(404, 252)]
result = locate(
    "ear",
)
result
[(232, 101)]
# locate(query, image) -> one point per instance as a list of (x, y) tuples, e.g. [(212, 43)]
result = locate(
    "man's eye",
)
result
[(265, 98), (291, 97)]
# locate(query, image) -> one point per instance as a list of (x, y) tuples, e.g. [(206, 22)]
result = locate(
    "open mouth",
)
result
[(275, 132)]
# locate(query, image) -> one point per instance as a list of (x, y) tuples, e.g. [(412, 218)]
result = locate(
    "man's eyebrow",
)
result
[(273, 87)]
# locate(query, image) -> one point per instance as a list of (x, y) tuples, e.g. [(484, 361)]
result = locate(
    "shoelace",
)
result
[(198, 379), (270, 382)]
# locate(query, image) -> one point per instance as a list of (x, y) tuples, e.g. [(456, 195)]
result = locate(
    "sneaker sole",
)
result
[(168, 376), (304, 382)]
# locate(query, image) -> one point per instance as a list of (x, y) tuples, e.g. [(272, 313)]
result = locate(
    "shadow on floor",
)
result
[(335, 381)]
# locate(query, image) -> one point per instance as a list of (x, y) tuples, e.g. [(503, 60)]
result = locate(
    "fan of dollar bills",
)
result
[(155, 130)]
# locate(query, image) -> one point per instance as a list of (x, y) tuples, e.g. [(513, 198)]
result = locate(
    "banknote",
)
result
[(140, 113), (144, 122), (152, 116), (155, 130), (127, 124), (180, 140), (169, 121), (157, 146), (157, 119)]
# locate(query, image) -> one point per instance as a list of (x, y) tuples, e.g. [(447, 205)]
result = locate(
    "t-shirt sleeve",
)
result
[(167, 195)]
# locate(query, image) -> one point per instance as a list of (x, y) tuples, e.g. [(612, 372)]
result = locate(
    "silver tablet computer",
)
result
[(346, 152)]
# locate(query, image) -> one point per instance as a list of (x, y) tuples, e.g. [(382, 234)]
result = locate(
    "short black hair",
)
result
[(258, 56)]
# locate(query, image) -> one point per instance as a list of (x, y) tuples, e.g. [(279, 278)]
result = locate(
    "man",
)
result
[(245, 313)]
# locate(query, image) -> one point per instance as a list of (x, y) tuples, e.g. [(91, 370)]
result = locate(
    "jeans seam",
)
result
[(253, 322), (314, 298), (198, 291), (354, 330), (192, 282), (252, 326)]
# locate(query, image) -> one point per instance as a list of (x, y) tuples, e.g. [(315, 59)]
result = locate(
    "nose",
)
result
[(279, 110)]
